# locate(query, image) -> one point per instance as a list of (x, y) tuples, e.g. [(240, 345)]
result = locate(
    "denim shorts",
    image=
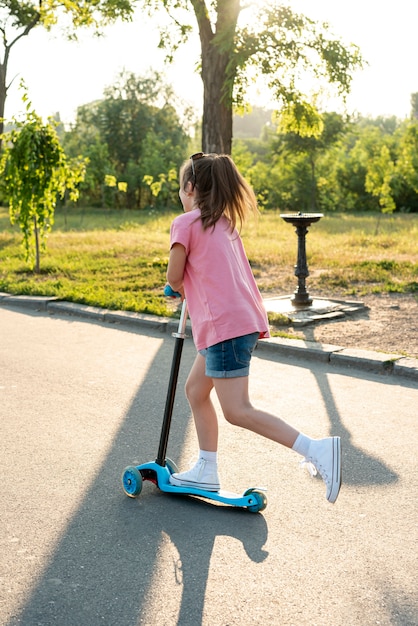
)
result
[(230, 358)]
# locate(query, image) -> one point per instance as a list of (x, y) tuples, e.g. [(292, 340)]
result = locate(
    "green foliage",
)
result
[(407, 163), (285, 48), (360, 164), (21, 13), (35, 172), (81, 13), (378, 178), (135, 135), (242, 43), (274, 42), (278, 319)]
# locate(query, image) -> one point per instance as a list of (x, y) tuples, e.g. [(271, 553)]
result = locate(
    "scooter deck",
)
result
[(253, 499)]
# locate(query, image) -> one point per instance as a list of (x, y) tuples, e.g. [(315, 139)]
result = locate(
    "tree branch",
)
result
[(25, 32), (202, 17)]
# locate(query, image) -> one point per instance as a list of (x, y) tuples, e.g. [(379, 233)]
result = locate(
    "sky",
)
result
[(62, 75)]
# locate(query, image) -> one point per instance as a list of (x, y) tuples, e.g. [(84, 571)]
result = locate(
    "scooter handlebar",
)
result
[(169, 292)]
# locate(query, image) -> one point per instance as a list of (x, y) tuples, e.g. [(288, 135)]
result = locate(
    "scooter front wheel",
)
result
[(132, 481)]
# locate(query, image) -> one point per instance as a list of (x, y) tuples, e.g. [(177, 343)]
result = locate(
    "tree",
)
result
[(36, 171), (311, 139), (375, 151), (360, 164), (18, 19), (406, 173), (408, 154), (80, 140), (275, 43), (136, 132)]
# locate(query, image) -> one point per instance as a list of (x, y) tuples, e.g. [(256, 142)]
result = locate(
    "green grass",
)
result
[(117, 259)]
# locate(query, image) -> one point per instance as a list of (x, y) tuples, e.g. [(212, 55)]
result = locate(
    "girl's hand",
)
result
[(170, 293)]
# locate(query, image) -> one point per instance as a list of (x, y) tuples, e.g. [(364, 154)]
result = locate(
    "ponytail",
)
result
[(221, 189)]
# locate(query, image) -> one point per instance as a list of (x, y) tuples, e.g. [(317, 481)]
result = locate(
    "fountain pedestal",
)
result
[(301, 222)]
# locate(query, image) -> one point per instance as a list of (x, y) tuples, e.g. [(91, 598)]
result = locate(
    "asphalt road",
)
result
[(80, 400)]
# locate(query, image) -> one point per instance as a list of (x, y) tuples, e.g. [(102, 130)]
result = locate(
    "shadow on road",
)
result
[(102, 570), (359, 467)]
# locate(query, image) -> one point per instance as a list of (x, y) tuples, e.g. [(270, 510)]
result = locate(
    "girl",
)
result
[(208, 265)]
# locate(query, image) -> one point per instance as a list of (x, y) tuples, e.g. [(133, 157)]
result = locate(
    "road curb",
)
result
[(377, 362)]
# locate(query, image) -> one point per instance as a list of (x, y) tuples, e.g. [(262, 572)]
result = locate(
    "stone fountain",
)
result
[(301, 308), (301, 222)]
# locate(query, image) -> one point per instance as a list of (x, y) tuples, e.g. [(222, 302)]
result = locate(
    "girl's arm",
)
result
[(175, 269)]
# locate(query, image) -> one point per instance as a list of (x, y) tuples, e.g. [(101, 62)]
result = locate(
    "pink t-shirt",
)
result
[(222, 296)]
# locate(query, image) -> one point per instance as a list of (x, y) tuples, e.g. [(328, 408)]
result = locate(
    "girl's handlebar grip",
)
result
[(170, 293)]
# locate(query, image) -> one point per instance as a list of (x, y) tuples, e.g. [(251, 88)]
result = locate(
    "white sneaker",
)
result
[(324, 456), (203, 475)]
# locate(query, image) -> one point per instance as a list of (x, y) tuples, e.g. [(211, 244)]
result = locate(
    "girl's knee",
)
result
[(188, 389), (232, 417), (196, 391), (236, 415)]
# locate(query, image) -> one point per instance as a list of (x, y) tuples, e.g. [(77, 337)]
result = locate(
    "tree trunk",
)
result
[(3, 90), (313, 184), (3, 66), (218, 73), (217, 107), (37, 247)]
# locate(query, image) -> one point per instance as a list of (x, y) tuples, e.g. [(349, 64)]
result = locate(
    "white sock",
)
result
[(301, 445), (211, 457)]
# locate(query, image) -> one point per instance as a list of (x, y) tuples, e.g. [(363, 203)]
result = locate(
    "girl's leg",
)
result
[(198, 388), (236, 406), (323, 455), (204, 474)]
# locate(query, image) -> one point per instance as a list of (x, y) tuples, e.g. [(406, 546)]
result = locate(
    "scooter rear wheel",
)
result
[(260, 500)]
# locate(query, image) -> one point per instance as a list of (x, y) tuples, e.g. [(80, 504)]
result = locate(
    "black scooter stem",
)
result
[(172, 385)]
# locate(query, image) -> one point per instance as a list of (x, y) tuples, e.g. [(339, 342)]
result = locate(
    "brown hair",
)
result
[(221, 189)]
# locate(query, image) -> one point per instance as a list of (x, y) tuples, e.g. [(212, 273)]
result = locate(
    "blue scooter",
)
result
[(159, 471)]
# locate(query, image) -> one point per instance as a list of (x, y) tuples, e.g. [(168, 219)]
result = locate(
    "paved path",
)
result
[(80, 400), (394, 364)]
